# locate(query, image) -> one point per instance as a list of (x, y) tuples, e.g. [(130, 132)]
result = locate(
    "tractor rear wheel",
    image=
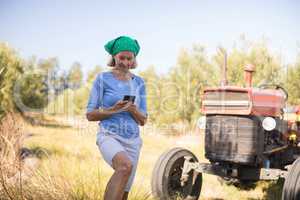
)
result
[(167, 173), (291, 187)]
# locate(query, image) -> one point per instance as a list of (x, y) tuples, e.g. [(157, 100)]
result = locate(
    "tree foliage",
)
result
[(75, 76), (173, 97), (10, 70), (292, 82)]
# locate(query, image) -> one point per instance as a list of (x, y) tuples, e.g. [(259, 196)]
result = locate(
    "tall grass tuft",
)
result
[(11, 130)]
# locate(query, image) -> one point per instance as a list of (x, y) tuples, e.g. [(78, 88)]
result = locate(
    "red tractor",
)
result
[(246, 139)]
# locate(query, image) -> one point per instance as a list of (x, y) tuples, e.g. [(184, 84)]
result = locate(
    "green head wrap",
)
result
[(122, 43)]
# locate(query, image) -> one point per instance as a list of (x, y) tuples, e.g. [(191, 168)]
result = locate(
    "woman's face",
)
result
[(124, 59)]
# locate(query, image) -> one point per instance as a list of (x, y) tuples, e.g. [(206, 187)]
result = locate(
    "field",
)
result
[(68, 165)]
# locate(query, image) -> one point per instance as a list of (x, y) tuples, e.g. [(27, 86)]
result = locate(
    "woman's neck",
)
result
[(121, 70), (122, 73)]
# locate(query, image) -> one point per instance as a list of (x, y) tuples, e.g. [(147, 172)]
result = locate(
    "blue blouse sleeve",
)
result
[(96, 95), (143, 102)]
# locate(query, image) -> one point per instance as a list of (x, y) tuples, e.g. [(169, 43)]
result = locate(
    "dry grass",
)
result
[(70, 166), (10, 164)]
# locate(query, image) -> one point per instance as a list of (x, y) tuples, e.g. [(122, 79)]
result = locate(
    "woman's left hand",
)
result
[(137, 115), (131, 107)]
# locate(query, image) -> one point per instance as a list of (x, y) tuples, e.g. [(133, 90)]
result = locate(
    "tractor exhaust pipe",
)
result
[(224, 80), (249, 69)]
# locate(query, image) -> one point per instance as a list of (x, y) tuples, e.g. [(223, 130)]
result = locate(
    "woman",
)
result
[(118, 138)]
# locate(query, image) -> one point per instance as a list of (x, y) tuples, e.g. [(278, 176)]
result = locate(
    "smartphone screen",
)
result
[(129, 98)]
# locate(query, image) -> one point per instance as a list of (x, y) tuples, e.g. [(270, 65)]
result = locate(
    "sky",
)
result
[(76, 31)]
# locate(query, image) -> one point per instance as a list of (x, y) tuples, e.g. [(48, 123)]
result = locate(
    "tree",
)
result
[(31, 88), (93, 73), (154, 84), (10, 70), (292, 83), (75, 76), (268, 66), (192, 73), (25, 85)]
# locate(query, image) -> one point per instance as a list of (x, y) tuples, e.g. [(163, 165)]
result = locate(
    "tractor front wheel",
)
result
[(166, 176)]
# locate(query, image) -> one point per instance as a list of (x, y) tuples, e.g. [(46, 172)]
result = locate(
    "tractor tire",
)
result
[(291, 187), (165, 183)]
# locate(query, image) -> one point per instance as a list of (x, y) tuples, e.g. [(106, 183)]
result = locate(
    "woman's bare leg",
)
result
[(116, 185)]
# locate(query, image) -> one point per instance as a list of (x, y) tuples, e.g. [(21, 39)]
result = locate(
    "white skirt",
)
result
[(109, 145)]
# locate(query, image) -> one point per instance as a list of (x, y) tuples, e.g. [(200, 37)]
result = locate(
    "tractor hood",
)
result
[(232, 100)]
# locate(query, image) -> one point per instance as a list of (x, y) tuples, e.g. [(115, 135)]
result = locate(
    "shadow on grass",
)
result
[(41, 121), (52, 125), (41, 152), (245, 185), (38, 152), (273, 190), (240, 184), (213, 199)]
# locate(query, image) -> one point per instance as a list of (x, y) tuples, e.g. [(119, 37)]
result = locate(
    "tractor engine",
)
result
[(245, 125)]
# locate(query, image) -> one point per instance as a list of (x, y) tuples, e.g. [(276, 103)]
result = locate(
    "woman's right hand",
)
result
[(120, 106)]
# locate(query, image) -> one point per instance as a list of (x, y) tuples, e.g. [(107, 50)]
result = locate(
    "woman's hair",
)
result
[(111, 62)]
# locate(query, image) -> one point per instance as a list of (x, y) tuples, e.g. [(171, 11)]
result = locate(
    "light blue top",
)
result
[(108, 90)]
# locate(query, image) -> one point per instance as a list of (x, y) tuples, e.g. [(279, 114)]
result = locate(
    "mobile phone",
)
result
[(129, 98)]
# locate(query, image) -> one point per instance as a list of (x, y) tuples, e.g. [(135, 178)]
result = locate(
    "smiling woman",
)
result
[(118, 137)]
